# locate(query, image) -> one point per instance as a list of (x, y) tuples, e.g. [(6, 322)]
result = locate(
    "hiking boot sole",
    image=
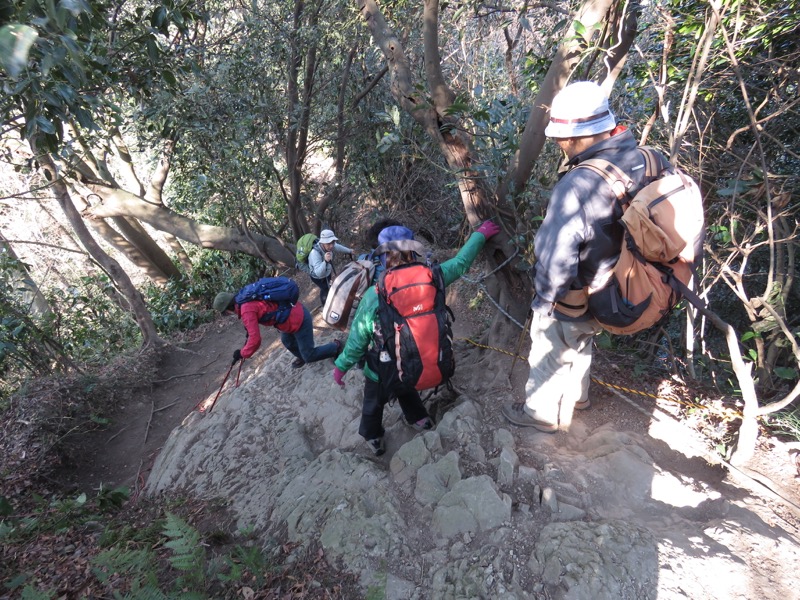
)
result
[(585, 405), (518, 416), (426, 427), (377, 446)]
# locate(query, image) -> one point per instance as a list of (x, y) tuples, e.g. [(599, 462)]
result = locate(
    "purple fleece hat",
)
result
[(394, 233)]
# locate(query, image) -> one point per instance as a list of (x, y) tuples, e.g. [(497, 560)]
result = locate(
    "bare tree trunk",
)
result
[(119, 202), (121, 243), (624, 25), (299, 112), (334, 190), (138, 246), (155, 194), (32, 296), (144, 243), (119, 277), (453, 141), (532, 141), (693, 78)]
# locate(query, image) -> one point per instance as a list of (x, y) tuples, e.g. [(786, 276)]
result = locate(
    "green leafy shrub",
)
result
[(89, 322), (185, 303)]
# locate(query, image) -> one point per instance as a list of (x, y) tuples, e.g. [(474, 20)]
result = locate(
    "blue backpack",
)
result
[(280, 290), (376, 261)]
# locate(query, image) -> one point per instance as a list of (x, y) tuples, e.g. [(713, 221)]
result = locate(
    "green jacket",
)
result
[(363, 327)]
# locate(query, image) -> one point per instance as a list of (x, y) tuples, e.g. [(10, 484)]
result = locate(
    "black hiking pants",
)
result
[(324, 285), (376, 397)]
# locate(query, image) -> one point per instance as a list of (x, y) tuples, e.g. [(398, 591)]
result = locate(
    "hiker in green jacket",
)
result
[(366, 325)]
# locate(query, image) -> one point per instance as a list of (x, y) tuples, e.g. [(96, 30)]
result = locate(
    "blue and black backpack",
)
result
[(280, 290)]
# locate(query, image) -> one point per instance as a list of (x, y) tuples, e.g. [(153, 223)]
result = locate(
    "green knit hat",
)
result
[(224, 301)]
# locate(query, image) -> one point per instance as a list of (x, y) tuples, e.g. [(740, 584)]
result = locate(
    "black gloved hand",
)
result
[(237, 356)]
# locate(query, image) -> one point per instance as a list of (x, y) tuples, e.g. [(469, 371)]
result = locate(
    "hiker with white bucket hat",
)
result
[(320, 259)]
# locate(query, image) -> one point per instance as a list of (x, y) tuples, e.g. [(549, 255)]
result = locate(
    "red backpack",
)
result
[(415, 342)]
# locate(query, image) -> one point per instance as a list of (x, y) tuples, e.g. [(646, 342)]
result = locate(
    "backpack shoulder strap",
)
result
[(619, 181), (652, 162), (684, 290)]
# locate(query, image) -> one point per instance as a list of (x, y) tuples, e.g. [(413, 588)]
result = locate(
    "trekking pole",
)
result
[(519, 342), (207, 409), (239, 372)]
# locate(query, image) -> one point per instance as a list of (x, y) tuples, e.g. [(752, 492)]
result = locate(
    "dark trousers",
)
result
[(375, 398), (301, 342), (324, 287)]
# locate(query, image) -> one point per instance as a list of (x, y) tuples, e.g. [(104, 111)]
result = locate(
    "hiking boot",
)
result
[(421, 425), (339, 347), (377, 446), (583, 405), (297, 363), (516, 414)]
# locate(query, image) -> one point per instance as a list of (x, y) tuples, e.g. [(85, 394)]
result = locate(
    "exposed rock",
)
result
[(474, 508), (596, 560), (435, 480)]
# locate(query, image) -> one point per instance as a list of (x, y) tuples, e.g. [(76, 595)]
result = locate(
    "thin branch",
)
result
[(165, 407), (48, 245), (178, 377), (361, 95)]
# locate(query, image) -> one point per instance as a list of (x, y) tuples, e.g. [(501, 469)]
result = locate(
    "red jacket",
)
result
[(250, 314)]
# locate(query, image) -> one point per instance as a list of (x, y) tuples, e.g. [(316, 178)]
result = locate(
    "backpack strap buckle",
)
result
[(619, 181)]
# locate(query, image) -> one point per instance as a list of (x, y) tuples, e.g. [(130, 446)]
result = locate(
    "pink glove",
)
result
[(488, 229), (338, 376)]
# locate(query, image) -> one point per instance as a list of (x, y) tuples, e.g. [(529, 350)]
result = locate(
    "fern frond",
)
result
[(188, 555), (31, 593), (147, 592), (139, 565), (184, 541)]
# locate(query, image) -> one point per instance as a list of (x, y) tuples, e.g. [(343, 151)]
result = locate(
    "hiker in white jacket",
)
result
[(319, 261)]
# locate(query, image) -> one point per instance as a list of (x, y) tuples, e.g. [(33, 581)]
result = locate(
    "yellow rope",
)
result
[(624, 389), (474, 343)]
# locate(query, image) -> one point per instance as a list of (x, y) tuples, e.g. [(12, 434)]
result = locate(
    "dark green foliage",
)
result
[(88, 322), (188, 555), (27, 345), (46, 516), (244, 560), (138, 566), (56, 57)]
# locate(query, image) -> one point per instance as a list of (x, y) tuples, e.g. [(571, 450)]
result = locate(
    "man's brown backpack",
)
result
[(664, 230)]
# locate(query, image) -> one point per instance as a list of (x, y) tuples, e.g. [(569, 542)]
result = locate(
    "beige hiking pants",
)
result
[(560, 358)]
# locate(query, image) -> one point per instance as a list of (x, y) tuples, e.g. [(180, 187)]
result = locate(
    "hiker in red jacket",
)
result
[(297, 331)]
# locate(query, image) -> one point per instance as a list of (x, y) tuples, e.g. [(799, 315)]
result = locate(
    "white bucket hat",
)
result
[(327, 236), (579, 110)]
